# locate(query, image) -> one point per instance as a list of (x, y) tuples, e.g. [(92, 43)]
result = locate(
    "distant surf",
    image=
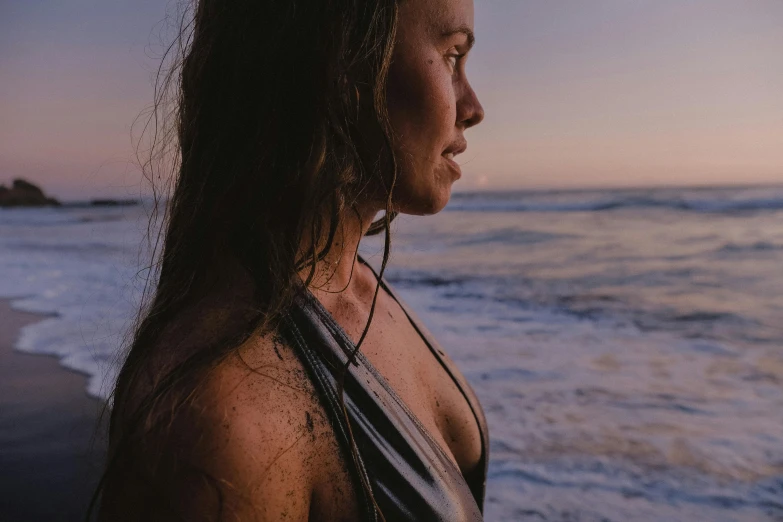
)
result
[(692, 200)]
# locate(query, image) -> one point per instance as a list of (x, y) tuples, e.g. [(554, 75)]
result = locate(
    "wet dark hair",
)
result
[(272, 119)]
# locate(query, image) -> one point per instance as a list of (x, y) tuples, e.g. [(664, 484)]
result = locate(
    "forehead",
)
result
[(437, 16)]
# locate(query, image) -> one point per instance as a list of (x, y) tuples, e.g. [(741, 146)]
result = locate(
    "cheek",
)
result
[(421, 105)]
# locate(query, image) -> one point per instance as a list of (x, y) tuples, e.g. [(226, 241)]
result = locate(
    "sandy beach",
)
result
[(49, 464)]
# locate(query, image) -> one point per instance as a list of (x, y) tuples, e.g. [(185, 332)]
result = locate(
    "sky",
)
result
[(577, 93)]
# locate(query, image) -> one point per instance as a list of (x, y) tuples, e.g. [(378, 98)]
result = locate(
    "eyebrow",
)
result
[(464, 29)]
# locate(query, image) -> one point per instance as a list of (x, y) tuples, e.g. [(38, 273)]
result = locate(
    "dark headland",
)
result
[(22, 193)]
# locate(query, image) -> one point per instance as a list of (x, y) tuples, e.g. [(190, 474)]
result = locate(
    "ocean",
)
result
[(627, 345)]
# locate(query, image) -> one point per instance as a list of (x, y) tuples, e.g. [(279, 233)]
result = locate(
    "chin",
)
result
[(424, 202), (442, 199), (422, 191)]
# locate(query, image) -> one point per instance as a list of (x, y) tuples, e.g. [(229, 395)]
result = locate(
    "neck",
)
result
[(339, 270)]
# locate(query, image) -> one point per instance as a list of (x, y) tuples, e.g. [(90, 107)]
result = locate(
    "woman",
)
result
[(244, 395)]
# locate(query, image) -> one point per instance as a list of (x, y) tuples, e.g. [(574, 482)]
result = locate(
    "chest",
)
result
[(395, 348)]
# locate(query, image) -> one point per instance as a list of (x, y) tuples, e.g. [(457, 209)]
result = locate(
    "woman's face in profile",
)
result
[(431, 103)]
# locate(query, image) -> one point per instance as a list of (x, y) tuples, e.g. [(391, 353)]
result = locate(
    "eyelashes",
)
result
[(454, 59)]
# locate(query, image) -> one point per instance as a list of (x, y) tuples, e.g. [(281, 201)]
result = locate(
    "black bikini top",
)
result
[(410, 475)]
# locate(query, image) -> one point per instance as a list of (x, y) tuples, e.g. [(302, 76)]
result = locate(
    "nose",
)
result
[(469, 109)]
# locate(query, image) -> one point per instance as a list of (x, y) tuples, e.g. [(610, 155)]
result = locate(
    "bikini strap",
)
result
[(315, 364), (478, 479)]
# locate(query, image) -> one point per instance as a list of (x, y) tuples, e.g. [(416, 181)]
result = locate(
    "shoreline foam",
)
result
[(49, 461)]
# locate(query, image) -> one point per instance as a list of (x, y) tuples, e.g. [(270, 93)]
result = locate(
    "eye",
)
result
[(454, 58)]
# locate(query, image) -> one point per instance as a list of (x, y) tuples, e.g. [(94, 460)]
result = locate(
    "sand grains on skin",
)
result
[(268, 423)]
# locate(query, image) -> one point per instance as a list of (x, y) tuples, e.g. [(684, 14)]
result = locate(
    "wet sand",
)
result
[(49, 462)]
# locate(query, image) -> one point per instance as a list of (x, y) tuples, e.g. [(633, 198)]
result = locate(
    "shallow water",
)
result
[(627, 346)]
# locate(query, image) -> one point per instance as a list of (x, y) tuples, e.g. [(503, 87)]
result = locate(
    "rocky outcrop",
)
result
[(24, 194)]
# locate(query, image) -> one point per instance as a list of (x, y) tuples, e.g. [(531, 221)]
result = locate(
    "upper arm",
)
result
[(244, 448), (256, 454)]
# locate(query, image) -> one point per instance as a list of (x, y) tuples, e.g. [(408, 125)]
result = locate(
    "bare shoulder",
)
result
[(253, 443), (261, 425)]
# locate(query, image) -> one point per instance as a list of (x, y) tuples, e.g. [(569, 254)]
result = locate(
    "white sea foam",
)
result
[(79, 266)]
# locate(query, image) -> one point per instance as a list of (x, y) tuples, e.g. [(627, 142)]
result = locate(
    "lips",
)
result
[(458, 147), (449, 154)]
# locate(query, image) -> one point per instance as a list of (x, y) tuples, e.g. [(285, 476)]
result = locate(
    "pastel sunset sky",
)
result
[(577, 93)]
